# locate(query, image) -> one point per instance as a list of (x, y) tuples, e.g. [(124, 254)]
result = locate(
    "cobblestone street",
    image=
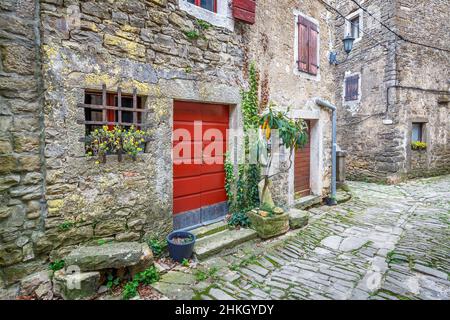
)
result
[(388, 242)]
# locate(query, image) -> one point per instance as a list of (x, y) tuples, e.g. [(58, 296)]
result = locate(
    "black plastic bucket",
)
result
[(179, 252)]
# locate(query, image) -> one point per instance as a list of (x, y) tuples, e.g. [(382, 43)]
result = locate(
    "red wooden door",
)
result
[(303, 168), (200, 183)]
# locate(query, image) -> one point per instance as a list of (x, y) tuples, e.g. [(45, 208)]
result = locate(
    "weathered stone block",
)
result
[(268, 227), (110, 227), (18, 59), (298, 218), (110, 256), (7, 182), (122, 45), (38, 283), (10, 254), (76, 286)]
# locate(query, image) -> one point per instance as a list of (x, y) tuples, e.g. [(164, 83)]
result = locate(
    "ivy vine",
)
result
[(243, 192)]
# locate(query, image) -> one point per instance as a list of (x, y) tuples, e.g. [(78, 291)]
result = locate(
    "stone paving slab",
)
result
[(386, 243)]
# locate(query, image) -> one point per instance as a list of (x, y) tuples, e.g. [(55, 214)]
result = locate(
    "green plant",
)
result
[(202, 275), (418, 145), (130, 290), (117, 141), (101, 242), (157, 246), (188, 69), (57, 265), (230, 180), (243, 190), (192, 34), (112, 282), (185, 263), (147, 277), (292, 136), (203, 25), (239, 219), (66, 225)]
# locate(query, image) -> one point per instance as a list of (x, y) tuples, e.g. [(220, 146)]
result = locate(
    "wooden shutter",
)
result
[(352, 88), (303, 38), (244, 10), (308, 40), (313, 42)]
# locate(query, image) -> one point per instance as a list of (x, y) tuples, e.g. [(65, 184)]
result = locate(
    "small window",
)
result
[(210, 5), (94, 116), (355, 27), (352, 88), (417, 132)]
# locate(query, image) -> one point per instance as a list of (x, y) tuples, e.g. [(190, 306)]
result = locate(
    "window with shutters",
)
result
[(307, 45), (352, 88)]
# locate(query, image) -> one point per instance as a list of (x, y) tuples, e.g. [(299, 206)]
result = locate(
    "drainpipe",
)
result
[(325, 104)]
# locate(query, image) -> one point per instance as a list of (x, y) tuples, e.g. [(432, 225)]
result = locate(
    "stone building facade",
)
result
[(402, 85), (54, 198)]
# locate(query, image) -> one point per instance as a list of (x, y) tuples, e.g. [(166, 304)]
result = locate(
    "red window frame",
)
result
[(198, 3)]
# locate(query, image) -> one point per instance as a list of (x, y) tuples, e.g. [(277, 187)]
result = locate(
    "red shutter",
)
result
[(308, 39), (244, 10), (303, 52)]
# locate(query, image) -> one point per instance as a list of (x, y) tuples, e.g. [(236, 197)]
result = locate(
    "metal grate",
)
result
[(104, 107), (137, 118)]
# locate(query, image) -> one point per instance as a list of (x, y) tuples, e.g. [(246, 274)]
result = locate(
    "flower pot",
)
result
[(269, 227), (179, 250)]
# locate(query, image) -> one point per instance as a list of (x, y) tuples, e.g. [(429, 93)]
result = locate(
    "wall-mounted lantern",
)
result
[(348, 46)]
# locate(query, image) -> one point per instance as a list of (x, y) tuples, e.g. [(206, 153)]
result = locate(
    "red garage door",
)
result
[(303, 168), (199, 146)]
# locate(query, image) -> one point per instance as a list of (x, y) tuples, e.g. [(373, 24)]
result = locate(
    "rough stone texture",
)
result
[(215, 243), (389, 71), (39, 284), (298, 218), (52, 51), (76, 286), (271, 44), (387, 243), (111, 256), (21, 174), (269, 227)]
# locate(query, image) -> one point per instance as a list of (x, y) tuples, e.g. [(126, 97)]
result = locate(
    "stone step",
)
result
[(208, 230), (307, 202), (212, 244)]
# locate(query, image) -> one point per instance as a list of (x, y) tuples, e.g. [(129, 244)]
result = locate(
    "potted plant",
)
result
[(181, 245)]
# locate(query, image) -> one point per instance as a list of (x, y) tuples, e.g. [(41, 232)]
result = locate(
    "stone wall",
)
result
[(376, 132), (272, 45), (85, 44), (424, 75), (375, 150), (21, 170)]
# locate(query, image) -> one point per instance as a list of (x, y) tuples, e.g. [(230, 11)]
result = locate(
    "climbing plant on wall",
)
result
[(248, 175)]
